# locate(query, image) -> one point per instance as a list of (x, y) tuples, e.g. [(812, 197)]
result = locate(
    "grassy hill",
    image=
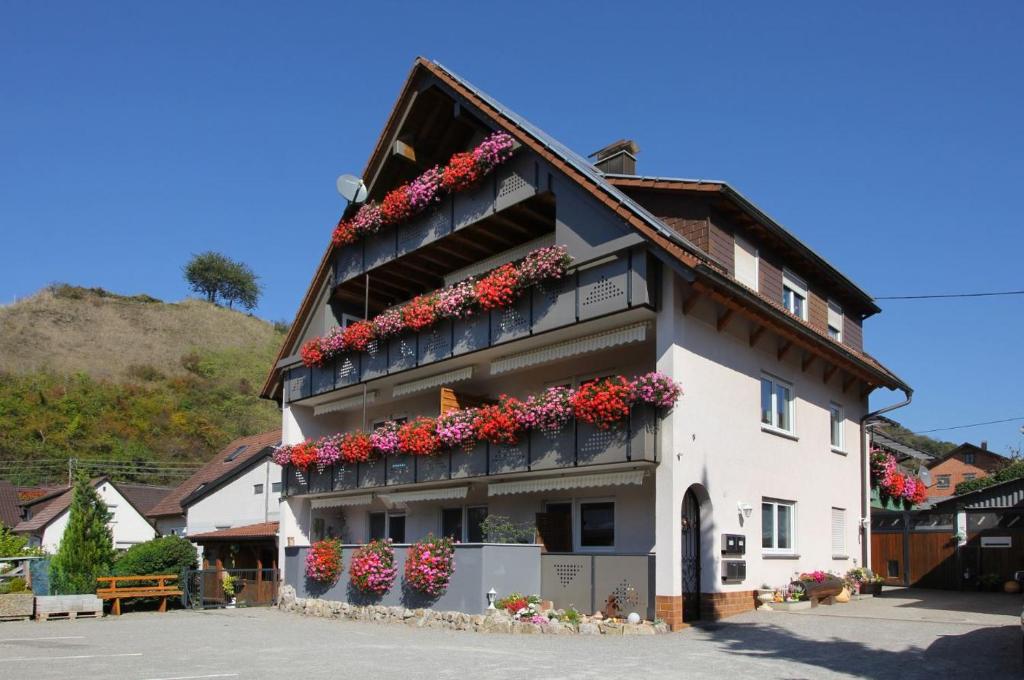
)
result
[(128, 385)]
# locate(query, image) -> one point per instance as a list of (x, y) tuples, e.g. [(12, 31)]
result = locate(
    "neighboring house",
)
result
[(681, 276), (10, 515), (45, 518), (240, 487), (964, 463)]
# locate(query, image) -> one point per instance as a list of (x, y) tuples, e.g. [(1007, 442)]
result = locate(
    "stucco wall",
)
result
[(127, 526), (235, 504)]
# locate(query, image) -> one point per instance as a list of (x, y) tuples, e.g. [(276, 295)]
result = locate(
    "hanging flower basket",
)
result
[(323, 561), (372, 567), (429, 565)]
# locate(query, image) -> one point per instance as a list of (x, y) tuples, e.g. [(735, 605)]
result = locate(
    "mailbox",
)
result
[(734, 571), (734, 544)]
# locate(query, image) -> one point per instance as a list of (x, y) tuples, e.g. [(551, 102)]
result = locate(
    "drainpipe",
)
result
[(865, 474)]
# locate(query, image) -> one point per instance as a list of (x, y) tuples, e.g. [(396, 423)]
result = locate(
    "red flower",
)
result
[(497, 289), (311, 353), (343, 234), (602, 403), (461, 172), (418, 437), (357, 336), (497, 423), (356, 447), (420, 313), (395, 206), (303, 455), (323, 561)]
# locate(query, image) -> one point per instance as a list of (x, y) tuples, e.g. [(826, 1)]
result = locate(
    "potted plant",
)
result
[(863, 581), (989, 582), (765, 596), (228, 584)]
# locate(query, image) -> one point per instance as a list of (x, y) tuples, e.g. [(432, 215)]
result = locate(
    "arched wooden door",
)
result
[(691, 556)]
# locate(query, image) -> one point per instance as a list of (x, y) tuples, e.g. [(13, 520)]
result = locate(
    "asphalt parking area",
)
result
[(900, 638)]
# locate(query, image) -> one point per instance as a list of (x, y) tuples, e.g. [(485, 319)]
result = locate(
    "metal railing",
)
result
[(205, 588)]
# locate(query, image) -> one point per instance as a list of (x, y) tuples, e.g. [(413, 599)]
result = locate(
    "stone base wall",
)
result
[(492, 622), (722, 605)]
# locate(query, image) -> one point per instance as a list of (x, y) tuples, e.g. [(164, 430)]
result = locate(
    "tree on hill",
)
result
[(218, 277), (87, 548)]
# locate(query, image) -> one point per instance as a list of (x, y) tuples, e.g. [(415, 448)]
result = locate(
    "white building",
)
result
[(758, 472), (46, 517)]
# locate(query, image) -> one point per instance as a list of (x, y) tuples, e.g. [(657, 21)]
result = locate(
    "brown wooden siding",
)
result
[(853, 333), (817, 311), (770, 277), (687, 216), (721, 246)]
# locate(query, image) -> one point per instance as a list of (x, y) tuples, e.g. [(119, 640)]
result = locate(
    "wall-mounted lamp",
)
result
[(745, 508), (491, 594)]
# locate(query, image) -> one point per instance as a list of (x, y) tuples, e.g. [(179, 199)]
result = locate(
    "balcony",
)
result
[(577, 445), (609, 285)]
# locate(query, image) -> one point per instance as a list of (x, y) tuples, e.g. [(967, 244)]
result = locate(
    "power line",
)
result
[(960, 427), (948, 295)]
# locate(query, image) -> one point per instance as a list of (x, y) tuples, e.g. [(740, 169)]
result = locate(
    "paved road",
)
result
[(892, 637)]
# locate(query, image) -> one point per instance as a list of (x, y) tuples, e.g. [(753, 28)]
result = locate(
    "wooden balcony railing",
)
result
[(577, 445)]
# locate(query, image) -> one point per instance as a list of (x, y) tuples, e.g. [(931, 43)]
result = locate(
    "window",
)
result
[(318, 529), (969, 476), (474, 520), (257, 489), (451, 523), (794, 294), (745, 257), (892, 568), (464, 524), (378, 526), (396, 528), (942, 481), (275, 487), (835, 321), (838, 532), (836, 420), (969, 458), (235, 454), (776, 404), (597, 524), (777, 527)]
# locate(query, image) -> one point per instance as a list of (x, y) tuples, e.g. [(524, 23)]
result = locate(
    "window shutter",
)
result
[(746, 263), (835, 316), (838, 531)]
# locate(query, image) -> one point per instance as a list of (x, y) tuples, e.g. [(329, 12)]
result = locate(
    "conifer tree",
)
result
[(87, 548)]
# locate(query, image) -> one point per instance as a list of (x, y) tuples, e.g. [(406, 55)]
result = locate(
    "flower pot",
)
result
[(765, 597)]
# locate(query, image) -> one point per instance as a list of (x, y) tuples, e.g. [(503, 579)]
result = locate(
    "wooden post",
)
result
[(116, 609)]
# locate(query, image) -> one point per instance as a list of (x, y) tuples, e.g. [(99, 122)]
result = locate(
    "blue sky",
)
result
[(889, 139)]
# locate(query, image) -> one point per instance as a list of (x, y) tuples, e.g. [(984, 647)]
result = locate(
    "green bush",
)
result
[(501, 529), (15, 585), (165, 555), (1015, 470)]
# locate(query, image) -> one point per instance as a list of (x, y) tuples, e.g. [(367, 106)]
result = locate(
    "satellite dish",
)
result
[(352, 188)]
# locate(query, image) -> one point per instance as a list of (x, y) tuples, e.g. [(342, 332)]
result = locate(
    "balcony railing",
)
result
[(576, 445), (610, 285)]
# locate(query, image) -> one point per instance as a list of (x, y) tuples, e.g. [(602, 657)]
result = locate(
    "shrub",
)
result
[(15, 585), (165, 555), (501, 529)]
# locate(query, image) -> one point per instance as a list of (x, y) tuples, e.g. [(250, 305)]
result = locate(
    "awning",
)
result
[(344, 404), (567, 482), (589, 343), (342, 501), (444, 494)]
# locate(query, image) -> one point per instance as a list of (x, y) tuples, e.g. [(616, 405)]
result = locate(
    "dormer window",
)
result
[(835, 321), (794, 294), (745, 263)]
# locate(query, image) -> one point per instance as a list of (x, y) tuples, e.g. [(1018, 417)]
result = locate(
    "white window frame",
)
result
[(837, 413), (797, 285), (464, 509), (843, 552), (773, 426), (775, 503), (577, 525), (740, 243), (257, 489), (939, 479), (835, 308), (349, 319)]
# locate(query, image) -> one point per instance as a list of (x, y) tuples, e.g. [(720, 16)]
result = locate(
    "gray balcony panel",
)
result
[(509, 457), (323, 378), (471, 334), (299, 383), (375, 359), (474, 205), (380, 247), (346, 369), (549, 450), (554, 304), (345, 476), (511, 323), (516, 182), (604, 288), (425, 228), (296, 480), (401, 469), (638, 291), (320, 481), (643, 434), (349, 262), (371, 474), (433, 468), (435, 343), (596, 447), (472, 463), (401, 353)]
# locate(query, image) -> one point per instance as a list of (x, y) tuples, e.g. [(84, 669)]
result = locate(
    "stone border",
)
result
[(494, 622)]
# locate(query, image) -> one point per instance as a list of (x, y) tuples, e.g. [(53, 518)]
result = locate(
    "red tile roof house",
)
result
[(963, 463), (229, 507), (45, 517), (758, 471)]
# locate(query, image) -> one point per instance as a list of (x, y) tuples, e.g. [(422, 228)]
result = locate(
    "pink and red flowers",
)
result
[(323, 561), (372, 567), (461, 173), (656, 389), (418, 437), (603, 403), (396, 207), (429, 565), (303, 455), (455, 428), (497, 423), (893, 483), (356, 447), (497, 290), (357, 336), (420, 312)]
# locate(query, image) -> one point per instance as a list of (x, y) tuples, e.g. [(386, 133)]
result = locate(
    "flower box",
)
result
[(825, 590), (874, 589), (433, 468), (472, 463)]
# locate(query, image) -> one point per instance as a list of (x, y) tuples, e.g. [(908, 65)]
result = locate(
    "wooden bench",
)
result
[(119, 587)]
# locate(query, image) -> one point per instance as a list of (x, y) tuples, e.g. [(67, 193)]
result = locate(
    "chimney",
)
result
[(618, 158), (984, 445)]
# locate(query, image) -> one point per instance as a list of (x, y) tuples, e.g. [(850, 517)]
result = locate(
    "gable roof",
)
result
[(262, 530), (9, 513), (142, 496), (901, 449), (997, 459), (673, 247), (215, 470), (1008, 494), (47, 508)]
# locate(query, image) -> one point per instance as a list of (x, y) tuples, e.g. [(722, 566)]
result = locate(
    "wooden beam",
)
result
[(756, 334), (404, 151), (807, 361), (848, 380), (830, 370), (723, 319), (784, 349), (690, 301)]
